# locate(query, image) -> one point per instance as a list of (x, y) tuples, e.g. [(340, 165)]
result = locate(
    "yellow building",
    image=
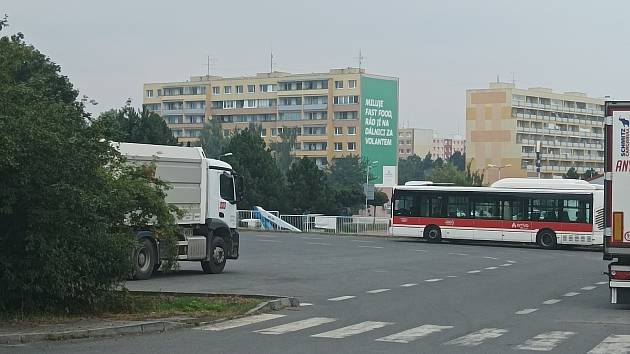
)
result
[(322, 108), (505, 124)]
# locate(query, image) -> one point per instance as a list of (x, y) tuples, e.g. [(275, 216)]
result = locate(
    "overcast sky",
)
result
[(438, 49)]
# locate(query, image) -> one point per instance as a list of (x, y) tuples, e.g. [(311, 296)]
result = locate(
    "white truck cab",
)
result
[(206, 191)]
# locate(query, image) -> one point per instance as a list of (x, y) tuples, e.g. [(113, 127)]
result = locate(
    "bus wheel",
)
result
[(433, 233), (547, 239)]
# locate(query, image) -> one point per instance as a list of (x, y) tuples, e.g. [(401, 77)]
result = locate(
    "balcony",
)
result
[(195, 111), (169, 112), (293, 107), (316, 107)]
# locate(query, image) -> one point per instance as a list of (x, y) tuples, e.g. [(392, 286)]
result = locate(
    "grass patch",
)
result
[(129, 306)]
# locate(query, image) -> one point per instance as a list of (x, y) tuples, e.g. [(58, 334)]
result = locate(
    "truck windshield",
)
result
[(227, 187)]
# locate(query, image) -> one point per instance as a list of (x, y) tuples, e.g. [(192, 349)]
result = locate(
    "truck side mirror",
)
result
[(239, 188)]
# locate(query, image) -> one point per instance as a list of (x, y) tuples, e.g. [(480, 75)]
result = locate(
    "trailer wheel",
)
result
[(433, 233), (144, 260), (547, 239), (217, 257)]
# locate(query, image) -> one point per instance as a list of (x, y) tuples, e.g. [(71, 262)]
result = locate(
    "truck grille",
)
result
[(599, 219)]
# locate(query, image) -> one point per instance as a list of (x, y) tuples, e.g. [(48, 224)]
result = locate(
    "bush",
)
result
[(64, 240)]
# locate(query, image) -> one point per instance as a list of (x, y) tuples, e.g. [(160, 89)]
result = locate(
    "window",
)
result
[(159, 92), (352, 130), (267, 88), (514, 209), (227, 90), (346, 115), (149, 93), (226, 186), (352, 146), (576, 210), (346, 99), (338, 146), (251, 88), (263, 132), (290, 115), (314, 130), (215, 90), (338, 84), (352, 84), (338, 130), (239, 88), (544, 209), (458, 207), (315, 115), (486, 208)]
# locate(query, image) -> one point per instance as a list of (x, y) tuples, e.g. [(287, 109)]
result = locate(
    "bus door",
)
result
[(488, 222), (516, 224)]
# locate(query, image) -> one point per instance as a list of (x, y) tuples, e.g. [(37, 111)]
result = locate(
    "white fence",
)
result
[(365, 225)]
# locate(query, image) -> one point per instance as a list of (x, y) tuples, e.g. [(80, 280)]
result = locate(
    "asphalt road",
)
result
[(376, 295)]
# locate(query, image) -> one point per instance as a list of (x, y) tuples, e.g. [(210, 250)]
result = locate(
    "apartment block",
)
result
[(504, 124), (420, 142), (339, 113)]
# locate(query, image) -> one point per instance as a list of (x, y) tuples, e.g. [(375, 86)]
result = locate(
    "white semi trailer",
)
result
[(206, 191)]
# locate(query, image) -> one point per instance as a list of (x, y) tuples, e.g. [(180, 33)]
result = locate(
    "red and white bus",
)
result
[(548, 212)]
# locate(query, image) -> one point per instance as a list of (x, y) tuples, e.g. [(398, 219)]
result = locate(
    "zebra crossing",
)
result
[(546, 341)]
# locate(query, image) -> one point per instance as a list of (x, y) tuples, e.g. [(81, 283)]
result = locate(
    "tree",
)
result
[(589, 174), (65, 196), (264, 184), (308, 188), (411, 169), (571, 174), (283, 149), (346, 179), (213, 141), (131, 126), (458, 160), (450, 174), (439, 162)]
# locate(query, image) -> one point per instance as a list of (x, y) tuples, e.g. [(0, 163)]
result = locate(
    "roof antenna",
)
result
[(209, 62), (497, 78), (360, 59), (513, 77), (271, 61)]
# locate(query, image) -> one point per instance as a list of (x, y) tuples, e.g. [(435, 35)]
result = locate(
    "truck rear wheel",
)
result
[(547, 239), (216, 256), (144, 260)]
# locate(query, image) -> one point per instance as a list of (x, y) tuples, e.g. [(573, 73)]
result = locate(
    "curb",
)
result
[(275, 303), (146, 327)]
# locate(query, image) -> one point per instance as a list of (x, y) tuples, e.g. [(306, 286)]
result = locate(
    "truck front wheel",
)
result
[(144, 260), (216, 256)]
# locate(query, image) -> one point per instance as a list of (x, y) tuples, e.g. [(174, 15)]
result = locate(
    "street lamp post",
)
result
[(367, 183), (499, 168)]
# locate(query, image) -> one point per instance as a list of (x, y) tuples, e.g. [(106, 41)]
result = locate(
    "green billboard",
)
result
[(379, 127)]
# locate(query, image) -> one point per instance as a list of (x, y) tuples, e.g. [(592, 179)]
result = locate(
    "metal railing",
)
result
[(349, 225)]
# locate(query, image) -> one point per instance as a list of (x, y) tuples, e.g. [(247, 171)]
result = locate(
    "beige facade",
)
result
[(420, 142), (504, 124), (322, 108)]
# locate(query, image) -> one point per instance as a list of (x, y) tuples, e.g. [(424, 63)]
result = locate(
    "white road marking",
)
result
[(601, 283), (341, 298), (551, 301), (505, 265), (459, 254), (433, 280), (376, 291), (244, 321), (269, 241), (451, 276), (352, 330), (525, 311), (613, 344), (408, 285), (473, 271), (546, 341), (490, 268), (319, 243), (366, 241), (478, 337), (420, 250), (313, 238), (370, 247), (305, 304), (588, 288), (511, 262), (486, 257), (413, 334), (296, 326), (569, 294)]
